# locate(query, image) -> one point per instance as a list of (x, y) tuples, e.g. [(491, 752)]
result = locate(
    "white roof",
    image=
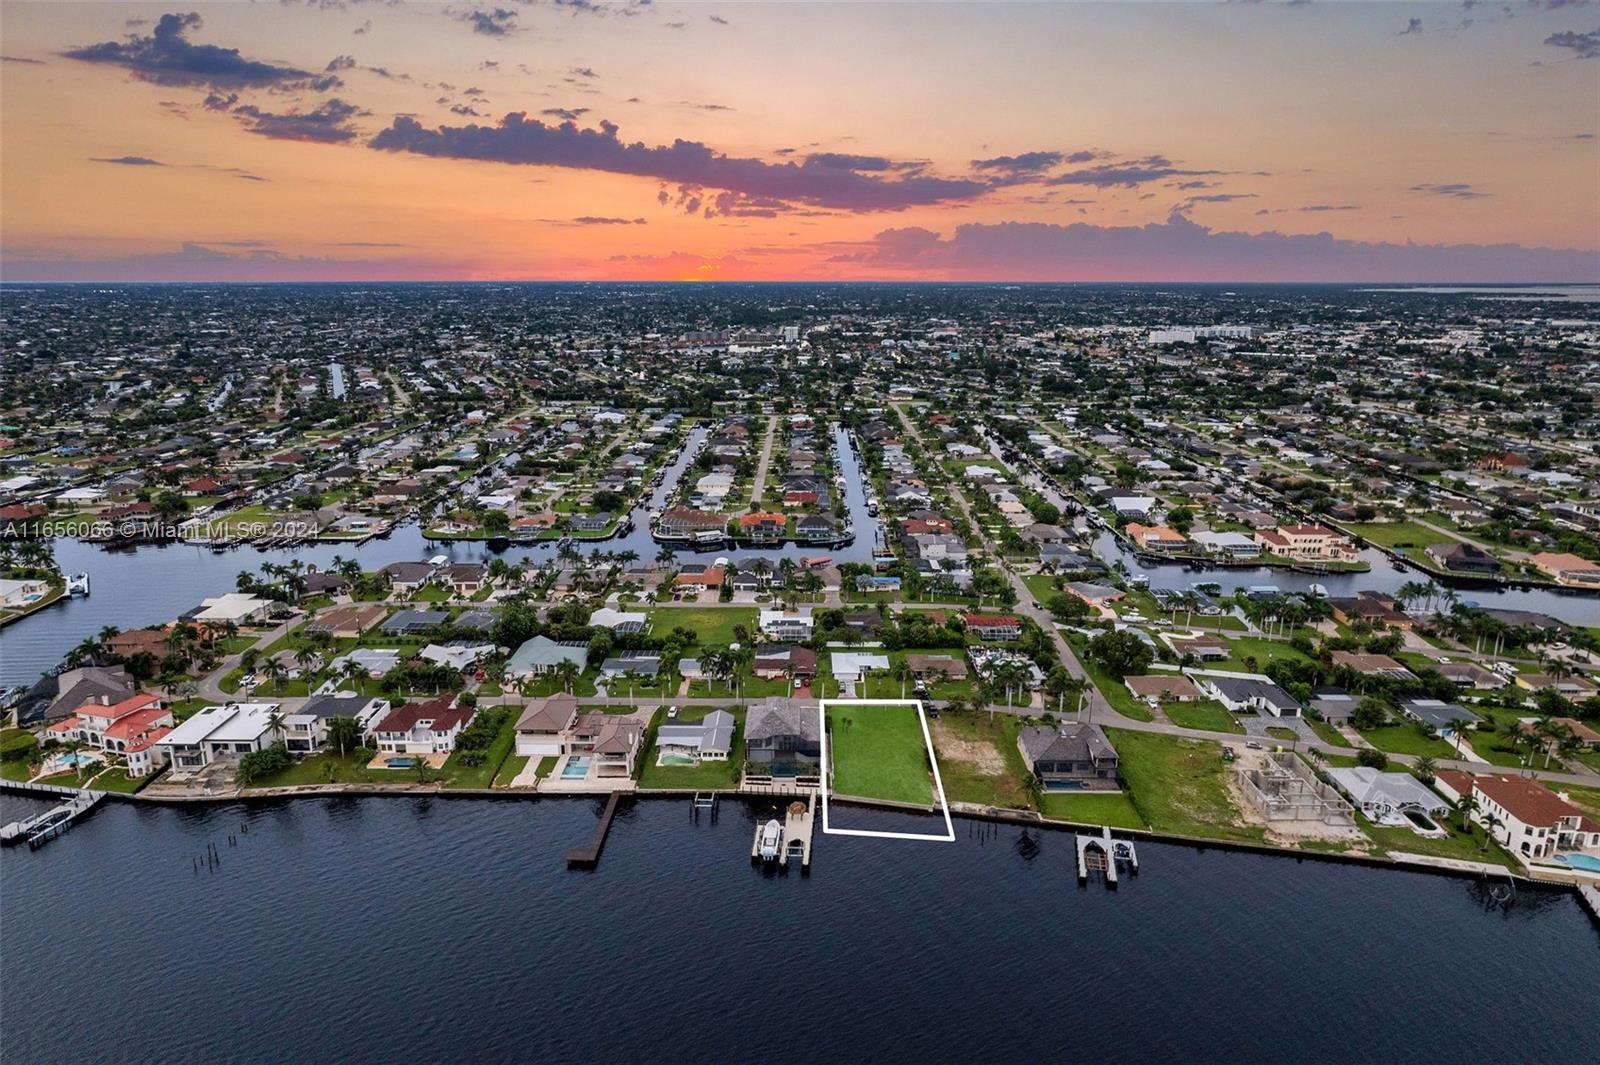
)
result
[(234, 606), (854, 663), (232, 722), (610, 618)]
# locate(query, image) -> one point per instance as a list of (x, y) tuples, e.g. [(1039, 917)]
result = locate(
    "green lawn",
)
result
[(1466, 847), (1180, 785), (877, 752), (707, 774), (509, 769), (1256, 648), (117, 780), (752, 687), (1327, 732), (1206, 715), (1407, 739), (1090, 808), (979, 761), (482, 776), (1116, 692), (713, 626), (1395, 534), (329, 768)]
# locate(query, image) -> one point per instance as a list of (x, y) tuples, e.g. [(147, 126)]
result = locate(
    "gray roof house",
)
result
[(1383, 796), (780, 732), (412, 622), (543, 655), (637, 663), (1250, 693), (1438, 713), (710, 739), (1069, 755)]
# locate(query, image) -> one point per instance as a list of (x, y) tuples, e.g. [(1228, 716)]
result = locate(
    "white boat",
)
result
[(1319, 590), (78, 584), (771, 839)]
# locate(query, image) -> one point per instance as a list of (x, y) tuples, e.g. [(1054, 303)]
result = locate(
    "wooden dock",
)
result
[(587, 856), (797, 829)]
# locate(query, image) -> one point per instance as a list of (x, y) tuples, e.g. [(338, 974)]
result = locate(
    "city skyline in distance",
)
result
[(576, 140)]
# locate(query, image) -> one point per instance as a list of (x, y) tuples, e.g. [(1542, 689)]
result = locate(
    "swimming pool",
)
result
[(1580, 861), (575, 769), (400, 763), (675, 759)]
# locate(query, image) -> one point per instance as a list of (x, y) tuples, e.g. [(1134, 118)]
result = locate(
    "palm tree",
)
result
[(1427, 768), (275, 724), (275, 671), (568, 672), (1490, 823), (901, 672), (1466, 806)]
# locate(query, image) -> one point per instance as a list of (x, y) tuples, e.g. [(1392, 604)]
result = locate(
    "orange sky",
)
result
[(1166, 141)]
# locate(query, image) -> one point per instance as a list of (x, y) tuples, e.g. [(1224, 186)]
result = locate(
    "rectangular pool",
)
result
[(576, 768)]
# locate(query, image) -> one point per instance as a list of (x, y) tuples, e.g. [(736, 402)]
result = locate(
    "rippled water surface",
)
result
[(379, 930)]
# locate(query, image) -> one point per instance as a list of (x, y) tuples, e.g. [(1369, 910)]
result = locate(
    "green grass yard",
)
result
[(1180, 786), (1407, 739), (979, 761), (712, 626), (877, 752), (1092, 808), (1205, 714)]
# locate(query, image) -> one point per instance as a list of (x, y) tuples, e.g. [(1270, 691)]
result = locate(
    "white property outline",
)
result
[(933, 759)]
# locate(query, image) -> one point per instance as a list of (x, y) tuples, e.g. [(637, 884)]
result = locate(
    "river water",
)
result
[(438, 930), (153, 584)]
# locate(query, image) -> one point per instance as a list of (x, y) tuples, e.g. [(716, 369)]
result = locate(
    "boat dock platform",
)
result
[(1102, 854), (794, 835), (587, 856), (797, 827), (41, 829)]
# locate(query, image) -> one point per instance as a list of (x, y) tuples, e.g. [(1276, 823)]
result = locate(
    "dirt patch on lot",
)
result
[(980, 754)]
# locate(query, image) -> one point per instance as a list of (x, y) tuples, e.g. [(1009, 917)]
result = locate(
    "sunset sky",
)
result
[(573, 139)]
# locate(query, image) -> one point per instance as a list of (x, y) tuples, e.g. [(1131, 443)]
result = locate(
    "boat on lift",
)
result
[(771, 840), (78, 584)]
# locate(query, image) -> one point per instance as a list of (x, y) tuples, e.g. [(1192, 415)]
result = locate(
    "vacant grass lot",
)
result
[(877, 752), (712, 626), (1206, 715), (979, 760), (1395, 534), (1180, 786)]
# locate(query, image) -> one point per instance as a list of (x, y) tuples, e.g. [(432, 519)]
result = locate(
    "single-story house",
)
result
[(1160, 687), (1241, 692), (707, 740), (413, 622), (542, 655)]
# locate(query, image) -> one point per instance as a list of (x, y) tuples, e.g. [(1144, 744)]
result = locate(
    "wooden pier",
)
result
[(797, 829), (587, 856), (41, 829)]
